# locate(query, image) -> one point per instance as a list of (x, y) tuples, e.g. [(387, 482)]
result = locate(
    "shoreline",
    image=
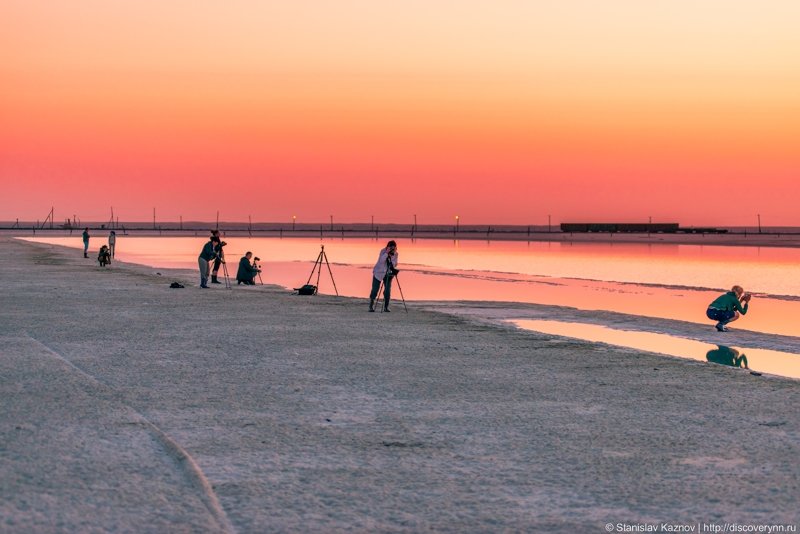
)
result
[(777, 240), (308, 413)]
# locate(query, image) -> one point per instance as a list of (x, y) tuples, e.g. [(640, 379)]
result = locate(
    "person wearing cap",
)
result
[(382, 273), (728, 307)]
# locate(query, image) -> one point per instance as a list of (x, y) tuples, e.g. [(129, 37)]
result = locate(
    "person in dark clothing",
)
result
[(727, 307), (207, 254), (383, 272), (104, 256), (85, 236), (220, 259), (247, 271)]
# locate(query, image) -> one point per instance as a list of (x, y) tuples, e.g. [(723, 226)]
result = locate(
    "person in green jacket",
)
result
[(728, 307)]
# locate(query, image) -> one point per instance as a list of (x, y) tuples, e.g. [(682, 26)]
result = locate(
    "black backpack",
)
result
[(307, 289)]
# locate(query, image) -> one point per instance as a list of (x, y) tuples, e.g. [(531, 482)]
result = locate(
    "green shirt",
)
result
[(729, 301)]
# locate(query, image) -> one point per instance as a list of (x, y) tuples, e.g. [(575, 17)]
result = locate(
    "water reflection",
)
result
[(769, 361), (727, 356), (578, 276)]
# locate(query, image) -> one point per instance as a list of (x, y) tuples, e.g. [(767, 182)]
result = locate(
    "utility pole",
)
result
[(154, 218), (759, 223), (548, 224), (331, 223), (217, 227)]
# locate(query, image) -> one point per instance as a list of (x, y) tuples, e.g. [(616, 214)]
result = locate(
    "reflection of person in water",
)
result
[(727, 356)]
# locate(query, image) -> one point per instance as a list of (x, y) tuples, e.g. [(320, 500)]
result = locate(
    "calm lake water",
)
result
[(670, 283)]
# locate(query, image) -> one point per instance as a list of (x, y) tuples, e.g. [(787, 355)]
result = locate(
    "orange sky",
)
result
[(500, 112)]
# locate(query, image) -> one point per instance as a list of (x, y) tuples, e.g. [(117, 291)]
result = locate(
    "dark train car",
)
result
[(620, 227)]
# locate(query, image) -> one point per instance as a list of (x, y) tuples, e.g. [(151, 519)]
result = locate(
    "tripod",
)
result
[(257, 267), (225, 273), (318, 267), (390, 269)]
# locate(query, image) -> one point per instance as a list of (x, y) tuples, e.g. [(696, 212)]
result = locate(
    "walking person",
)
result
[(207, 254), (112, 242), (383, 272), (728, 307), (86, 236)]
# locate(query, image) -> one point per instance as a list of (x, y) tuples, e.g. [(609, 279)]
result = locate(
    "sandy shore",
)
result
[(132, 407)]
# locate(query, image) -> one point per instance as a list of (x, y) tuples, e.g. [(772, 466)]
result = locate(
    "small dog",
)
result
[(104, 256)]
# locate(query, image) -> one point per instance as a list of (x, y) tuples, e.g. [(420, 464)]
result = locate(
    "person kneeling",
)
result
[(247, 272), (728, 307), (104, 256)]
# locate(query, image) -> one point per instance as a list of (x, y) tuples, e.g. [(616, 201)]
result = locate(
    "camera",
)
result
[(222, 243), (256, 259)]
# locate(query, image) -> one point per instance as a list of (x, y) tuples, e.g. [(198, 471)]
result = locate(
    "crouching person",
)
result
[(247, 271), (104, 256)]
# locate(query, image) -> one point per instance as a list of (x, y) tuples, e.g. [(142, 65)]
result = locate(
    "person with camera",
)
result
[(247, 272), (85, 236), (220, 258), (383, 272), (728, 307), (207, 254)]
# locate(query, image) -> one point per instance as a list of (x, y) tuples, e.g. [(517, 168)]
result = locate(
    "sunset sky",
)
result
[(499, 111)]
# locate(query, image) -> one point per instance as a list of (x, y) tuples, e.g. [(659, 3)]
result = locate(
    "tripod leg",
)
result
[(329, 271), (227, 279), (314, 268), (319, 268), (378, 298), (397, 279)]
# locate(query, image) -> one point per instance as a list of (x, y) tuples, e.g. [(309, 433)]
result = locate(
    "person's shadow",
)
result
[(727, 356)]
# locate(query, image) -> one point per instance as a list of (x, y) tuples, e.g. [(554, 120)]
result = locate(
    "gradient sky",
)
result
[(498, 111)]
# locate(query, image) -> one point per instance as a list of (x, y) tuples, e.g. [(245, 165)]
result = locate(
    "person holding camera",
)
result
[(247, 272), (85, 236), (728, 307), (383, 272), (208, 253), (219, 259)]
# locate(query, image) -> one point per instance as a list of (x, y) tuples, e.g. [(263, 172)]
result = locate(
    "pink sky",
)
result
[(500, 112)]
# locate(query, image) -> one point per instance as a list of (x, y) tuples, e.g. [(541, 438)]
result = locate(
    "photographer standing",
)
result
[(383, 272), (85, 237), (208, 253), (220, 259), (728, 307), (247, 272)]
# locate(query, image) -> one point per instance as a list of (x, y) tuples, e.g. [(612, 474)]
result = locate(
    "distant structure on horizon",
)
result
[(656, 228)]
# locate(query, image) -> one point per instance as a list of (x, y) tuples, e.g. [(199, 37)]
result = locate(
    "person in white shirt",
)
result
[(112, 242), (383, 272)]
